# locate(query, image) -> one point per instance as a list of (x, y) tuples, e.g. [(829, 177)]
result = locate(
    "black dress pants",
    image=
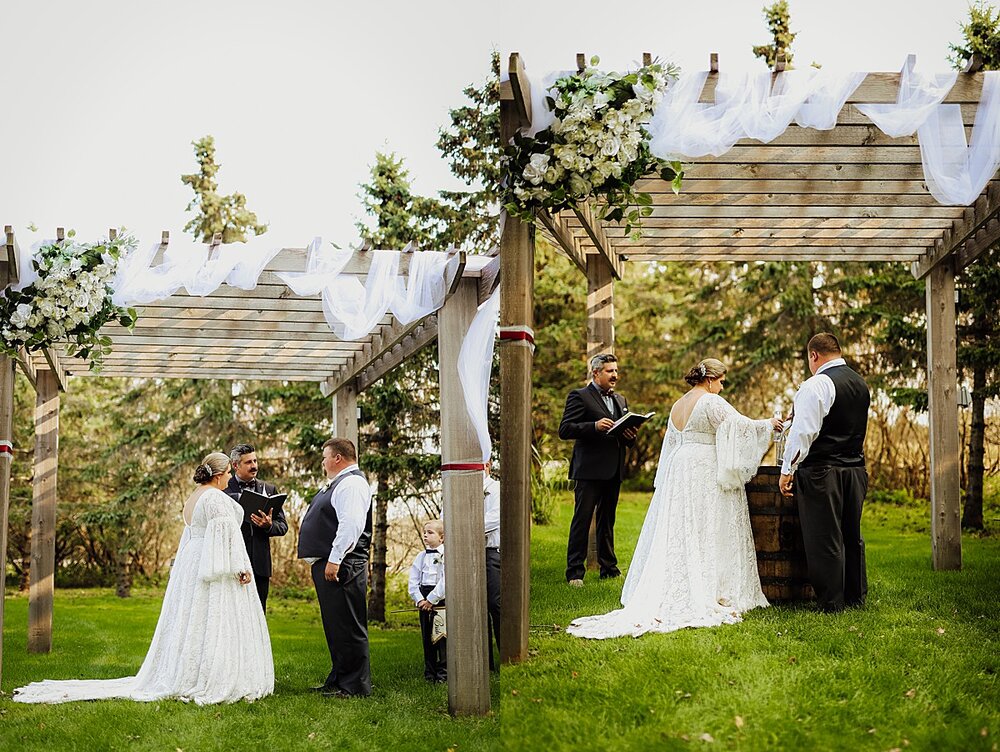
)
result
[(493, 600), (263, 586), (344, 610), (591, 495), (830, 499), (435, 654)]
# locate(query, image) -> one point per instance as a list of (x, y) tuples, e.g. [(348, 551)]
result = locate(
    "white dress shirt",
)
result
[(491, 511), (427, 569), (812, 404), (608, 402), (351, 500)]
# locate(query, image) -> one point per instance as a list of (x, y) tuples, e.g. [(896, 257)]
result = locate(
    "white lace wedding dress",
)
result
[(694, 564), (211, 642)]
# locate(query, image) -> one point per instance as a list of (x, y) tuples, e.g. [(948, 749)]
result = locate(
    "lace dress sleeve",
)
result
[(224, 553), (740, 443)]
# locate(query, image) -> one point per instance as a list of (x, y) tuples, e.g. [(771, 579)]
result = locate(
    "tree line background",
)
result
[(128, 447)]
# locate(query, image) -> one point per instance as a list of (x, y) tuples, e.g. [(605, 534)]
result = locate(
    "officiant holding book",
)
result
[(597, 465), (263, 524)]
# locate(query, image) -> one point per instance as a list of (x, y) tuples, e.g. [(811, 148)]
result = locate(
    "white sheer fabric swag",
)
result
[(475, 361), (747, 105)]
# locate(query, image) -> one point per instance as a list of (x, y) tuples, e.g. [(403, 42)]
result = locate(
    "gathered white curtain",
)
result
[(475, 361), (747, 105)]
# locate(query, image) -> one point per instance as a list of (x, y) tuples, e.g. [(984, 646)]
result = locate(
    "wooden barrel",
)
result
[(777, 535)]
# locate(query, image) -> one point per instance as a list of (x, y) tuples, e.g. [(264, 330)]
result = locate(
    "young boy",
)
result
[(427, 591)]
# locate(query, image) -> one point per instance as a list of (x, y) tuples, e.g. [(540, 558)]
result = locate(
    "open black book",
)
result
[(255, 503), (629, 420)]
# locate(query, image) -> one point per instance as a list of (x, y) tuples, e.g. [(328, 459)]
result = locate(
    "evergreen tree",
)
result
[(227, 215), (782, 36)]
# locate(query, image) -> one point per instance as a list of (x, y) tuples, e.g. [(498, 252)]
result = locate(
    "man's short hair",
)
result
[(824, 344), (344, 447), (598, 361), (237, 452)]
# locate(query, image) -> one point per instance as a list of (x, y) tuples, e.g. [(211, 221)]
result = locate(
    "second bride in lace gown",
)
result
[(694, 564), (211, 643)]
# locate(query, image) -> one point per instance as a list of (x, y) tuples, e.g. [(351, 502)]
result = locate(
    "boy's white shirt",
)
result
[(423, 565)]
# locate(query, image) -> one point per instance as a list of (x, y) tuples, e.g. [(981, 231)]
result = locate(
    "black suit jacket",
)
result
[(257, 540), (596, 456)]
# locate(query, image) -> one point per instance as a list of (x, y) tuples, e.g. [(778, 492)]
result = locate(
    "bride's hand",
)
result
[(244, 578), (777, 424)]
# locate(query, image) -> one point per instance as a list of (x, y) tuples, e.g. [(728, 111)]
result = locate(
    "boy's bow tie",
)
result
[(431, 551)]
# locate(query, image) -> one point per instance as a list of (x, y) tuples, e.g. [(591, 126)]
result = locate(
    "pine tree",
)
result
[(782, 36), (226, 215)]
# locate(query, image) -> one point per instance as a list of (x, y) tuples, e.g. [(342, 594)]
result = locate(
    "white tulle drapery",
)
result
[(956, 171), (748, 105), (475, 362), (919, 95)]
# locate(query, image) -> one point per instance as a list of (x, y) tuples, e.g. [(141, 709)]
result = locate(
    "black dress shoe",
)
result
[(322, 688)]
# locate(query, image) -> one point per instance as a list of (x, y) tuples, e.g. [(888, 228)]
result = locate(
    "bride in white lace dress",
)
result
[(694, 564), (211, 643)]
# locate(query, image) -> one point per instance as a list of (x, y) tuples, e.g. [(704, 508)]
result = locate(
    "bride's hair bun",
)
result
[(709, 368), (214, 464)]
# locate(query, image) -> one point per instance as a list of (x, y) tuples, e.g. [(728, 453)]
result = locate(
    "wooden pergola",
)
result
[(847, 194), (272, 334)]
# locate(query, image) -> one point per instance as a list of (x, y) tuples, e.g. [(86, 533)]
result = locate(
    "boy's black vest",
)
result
[(319, 527), (841, 438)]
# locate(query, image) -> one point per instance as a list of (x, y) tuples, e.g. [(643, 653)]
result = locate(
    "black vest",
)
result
[(841, 439), (319, 527)]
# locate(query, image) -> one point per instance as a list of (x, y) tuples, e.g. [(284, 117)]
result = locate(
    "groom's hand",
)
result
[(785, 485), (330, 573), (604, 424)]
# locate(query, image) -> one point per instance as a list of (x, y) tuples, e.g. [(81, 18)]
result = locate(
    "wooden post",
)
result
[(942, 382), (600, 339), (517, 267), (345, 413), (43, 513), (464, 550), (8, 273)]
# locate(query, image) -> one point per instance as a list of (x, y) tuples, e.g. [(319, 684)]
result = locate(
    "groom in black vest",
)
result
[(334, 537), (824, 468), (263, 526), (597, 465)]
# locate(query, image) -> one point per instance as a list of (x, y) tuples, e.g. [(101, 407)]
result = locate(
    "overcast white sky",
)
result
[(99, 100)]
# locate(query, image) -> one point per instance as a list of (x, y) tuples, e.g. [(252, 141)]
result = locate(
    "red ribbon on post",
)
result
[(517, 333), (6, 448), (458, 466)]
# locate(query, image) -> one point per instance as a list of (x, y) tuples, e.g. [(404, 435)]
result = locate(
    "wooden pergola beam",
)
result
[(584, 212), (556, 227), (419, 337), (26, 363), (520, 90), (9, 273), (974, 218), (883, 88)]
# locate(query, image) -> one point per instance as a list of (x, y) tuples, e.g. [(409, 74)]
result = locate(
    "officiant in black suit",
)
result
[(597, 465), (263, 525)]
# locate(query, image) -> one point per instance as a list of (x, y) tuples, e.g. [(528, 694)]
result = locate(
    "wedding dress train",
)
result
[(211, 643), (694, 564)]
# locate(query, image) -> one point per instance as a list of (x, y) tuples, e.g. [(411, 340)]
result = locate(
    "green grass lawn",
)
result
[(97, 635), (916, 669)]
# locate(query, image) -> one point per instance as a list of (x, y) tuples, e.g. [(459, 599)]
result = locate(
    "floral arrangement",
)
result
[(69, 302), (597, 147)]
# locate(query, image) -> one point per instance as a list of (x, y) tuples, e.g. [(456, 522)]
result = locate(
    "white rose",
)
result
[(611, 146), (534, 171), (601, 100), (579, 186)]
